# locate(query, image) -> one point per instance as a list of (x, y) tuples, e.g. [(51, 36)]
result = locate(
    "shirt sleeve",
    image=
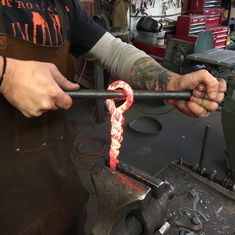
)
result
[(116, 56), (85, 32)]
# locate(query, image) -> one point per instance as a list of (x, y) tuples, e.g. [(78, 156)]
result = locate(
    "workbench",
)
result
[(216, 205), (215, 56)]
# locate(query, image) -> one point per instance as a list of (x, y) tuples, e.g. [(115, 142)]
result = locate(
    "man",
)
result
[(40, 193)]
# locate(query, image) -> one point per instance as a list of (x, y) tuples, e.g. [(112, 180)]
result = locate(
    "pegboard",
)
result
[(157, 9)]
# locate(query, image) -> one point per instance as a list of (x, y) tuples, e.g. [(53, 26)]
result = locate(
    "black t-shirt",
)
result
[(38, 21)]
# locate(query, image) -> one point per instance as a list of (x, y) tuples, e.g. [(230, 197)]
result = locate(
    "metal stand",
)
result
[(228, 124), (99, 84)]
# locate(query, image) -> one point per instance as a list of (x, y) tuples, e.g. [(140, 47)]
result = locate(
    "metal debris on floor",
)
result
[(200, 206)]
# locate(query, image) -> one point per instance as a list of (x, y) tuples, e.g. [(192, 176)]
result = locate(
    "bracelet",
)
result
[(3, 69)]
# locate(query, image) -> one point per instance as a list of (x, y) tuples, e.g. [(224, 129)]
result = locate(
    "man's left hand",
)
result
[(207, 93)]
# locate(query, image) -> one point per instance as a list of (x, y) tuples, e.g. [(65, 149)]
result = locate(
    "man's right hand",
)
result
[(35, 87)]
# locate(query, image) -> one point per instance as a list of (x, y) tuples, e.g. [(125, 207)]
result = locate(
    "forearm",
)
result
[(126, 62), (116, 56), (146, 73)]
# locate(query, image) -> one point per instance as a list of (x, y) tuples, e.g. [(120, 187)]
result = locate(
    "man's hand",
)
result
[(208, 92), (35, 87)]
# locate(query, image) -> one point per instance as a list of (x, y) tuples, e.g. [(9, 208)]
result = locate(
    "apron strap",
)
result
[(3, 37), (2, 21)]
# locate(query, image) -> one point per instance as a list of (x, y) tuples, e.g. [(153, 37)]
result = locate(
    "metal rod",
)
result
[(106, 94), (202, 156)]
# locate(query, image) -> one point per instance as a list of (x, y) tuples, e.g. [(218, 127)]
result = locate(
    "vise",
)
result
[(130, 202)]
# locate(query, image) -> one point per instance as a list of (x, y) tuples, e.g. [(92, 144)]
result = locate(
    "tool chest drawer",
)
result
[(213, 17), (199, 6), (220, 35), (190, 25)]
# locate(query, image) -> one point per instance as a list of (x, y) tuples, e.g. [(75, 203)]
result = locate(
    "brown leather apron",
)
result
[(40, 193)]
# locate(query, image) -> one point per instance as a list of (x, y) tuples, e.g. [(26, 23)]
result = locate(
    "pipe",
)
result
[(106, 94)]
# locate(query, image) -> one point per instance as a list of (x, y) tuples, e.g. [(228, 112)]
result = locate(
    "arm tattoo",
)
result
[(147, 74)]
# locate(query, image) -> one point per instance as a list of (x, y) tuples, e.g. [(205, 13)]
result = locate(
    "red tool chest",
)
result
[(197, 23), (153, 50), (213, 17), (203, 15), (220, 35), (199, 6), (190, 26)]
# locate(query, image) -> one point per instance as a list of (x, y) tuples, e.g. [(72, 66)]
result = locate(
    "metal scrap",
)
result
[(195, 224)]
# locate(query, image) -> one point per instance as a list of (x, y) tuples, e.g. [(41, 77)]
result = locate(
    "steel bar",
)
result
[(138, 94), (202, 156)]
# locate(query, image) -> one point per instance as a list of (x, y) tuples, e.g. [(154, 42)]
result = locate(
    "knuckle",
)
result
[(199, 113), (222, 94), (48, 64), (203, 73), (196, 93), (52, 66), (46, 105), (28, 115), (68, 103), (212, 106), (53, 94), (201, 94), (35, 113), (64, 81)]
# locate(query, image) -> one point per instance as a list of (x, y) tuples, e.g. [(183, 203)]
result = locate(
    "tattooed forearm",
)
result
[(147, 74)]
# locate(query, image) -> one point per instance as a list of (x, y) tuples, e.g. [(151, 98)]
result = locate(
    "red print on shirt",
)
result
[(6, 3), (57, 27), (40, 23)]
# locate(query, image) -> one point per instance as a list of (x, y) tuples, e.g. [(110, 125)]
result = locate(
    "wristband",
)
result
[(3, 69)]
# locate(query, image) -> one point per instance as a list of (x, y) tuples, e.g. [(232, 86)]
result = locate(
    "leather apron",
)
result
[(40, 193)]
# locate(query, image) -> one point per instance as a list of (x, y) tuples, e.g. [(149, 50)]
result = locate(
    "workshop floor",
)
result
[(180, 136)]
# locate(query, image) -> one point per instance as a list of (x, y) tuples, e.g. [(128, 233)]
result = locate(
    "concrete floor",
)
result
[(180, 136)]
